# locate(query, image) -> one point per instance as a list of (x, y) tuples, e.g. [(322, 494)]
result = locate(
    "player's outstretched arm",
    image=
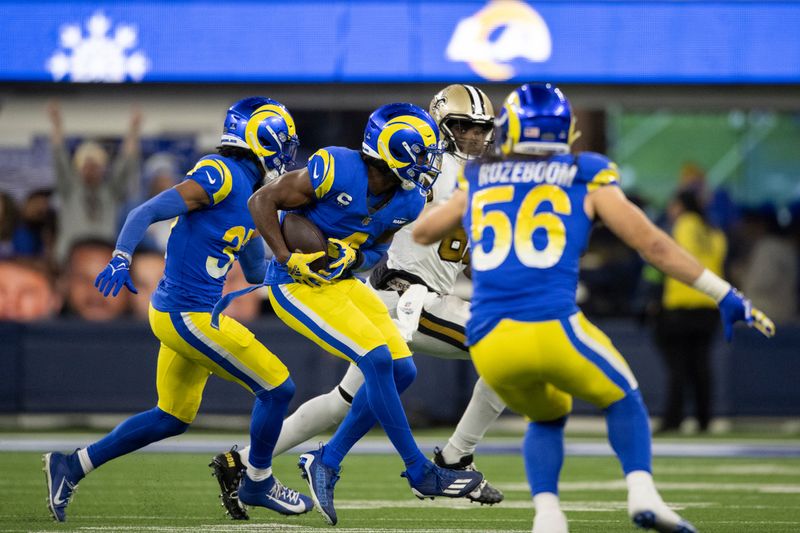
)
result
[(184, 197), (437, 223), (631, 225)]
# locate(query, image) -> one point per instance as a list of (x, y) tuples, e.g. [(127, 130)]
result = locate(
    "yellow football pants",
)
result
[(346, 318), (191, 350), (537, 367)]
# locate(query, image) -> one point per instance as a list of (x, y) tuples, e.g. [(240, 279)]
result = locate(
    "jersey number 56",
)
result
[(520, 233)]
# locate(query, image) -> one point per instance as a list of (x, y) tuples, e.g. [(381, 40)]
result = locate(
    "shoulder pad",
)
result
[(597, 170), (214, 176), (321, 170)]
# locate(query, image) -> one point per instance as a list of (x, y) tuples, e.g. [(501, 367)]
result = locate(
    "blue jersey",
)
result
[(528, 228), (204, 243), (340, 209)]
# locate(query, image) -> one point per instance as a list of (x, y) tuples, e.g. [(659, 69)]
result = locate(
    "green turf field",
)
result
[(175, 493)]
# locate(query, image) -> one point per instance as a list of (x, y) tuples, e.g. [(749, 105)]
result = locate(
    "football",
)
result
[(302, 235)]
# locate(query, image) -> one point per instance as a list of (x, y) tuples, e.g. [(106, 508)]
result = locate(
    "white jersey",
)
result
[(437, 265)]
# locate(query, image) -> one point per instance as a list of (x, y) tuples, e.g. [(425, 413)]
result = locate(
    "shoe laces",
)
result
[(281, 492)]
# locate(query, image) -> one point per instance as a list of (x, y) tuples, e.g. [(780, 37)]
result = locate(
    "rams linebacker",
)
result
[(416, 285), (358, 200), (528, 214), (213, 229)]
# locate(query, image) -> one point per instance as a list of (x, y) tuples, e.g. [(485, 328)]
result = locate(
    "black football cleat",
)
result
[(228, 469), (485, 493)]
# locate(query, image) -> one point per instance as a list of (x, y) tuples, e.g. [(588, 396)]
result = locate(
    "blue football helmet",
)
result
[(536, 119), (406, 138), (265, 127)]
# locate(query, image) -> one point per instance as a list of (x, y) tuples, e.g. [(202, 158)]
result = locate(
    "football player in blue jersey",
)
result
[(358, 199), (528, 214), (212, 230)]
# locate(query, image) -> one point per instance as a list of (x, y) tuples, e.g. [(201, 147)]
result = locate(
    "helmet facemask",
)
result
[(467, 138)]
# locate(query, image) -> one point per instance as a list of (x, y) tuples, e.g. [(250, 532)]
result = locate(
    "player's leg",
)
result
[(233, 353), (516, 379), (180, 384), (590, 367), (318, 414), (334, 317), (330, 317)]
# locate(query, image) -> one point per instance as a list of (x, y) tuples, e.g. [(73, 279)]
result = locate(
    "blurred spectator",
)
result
[(161, 172), (8, 220), (689, 319), (35, 231), (27, 291), (147, 269), (90, 200), (770, 273), (245, 308), (85, 260)]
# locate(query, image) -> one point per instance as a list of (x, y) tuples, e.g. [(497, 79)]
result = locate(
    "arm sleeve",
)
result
[(369, 257), (214, 177), (253, 261), (169, 204)]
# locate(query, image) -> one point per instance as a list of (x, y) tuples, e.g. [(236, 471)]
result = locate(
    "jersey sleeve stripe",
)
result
[(607, 176), (327, 179), (227, 182)]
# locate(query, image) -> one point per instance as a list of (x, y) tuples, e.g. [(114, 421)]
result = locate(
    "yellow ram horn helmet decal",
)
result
[(251, 130), (514, 127), (399, 123)]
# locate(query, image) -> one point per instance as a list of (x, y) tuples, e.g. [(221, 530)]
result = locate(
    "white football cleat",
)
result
[(648, 511)]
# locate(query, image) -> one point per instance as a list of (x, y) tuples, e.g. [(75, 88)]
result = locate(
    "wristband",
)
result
[(712, 285), (125, 255)]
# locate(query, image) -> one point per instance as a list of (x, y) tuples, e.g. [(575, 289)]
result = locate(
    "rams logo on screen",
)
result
[(500, 32)]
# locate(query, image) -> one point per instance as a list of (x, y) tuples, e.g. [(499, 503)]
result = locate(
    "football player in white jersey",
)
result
[(416, 284)]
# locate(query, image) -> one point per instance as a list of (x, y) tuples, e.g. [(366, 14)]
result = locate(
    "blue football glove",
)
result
[(114, 276), (734, 307)]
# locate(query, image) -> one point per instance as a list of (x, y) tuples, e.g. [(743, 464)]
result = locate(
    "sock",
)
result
[(543, 450), (546, 502), (85, 461), (312, 418), (269, 410), (259, 474), (483, 409), (379, 400), (629, 432), (136, 432)]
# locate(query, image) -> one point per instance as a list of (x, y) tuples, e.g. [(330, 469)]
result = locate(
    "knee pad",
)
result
[(557, 423), (405, 371), (283, 393), (379, 360), (168, 424), (631, 404)]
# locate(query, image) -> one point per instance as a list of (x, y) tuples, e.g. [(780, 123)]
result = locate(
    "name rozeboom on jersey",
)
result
[(550, 172)]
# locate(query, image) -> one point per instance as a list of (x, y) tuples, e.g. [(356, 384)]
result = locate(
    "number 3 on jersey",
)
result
[(236, 237), (520, 234)]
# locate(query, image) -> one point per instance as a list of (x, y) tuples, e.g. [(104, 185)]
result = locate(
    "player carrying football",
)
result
[(358, 200), (416, 285), (213, 229), (528, 215)]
